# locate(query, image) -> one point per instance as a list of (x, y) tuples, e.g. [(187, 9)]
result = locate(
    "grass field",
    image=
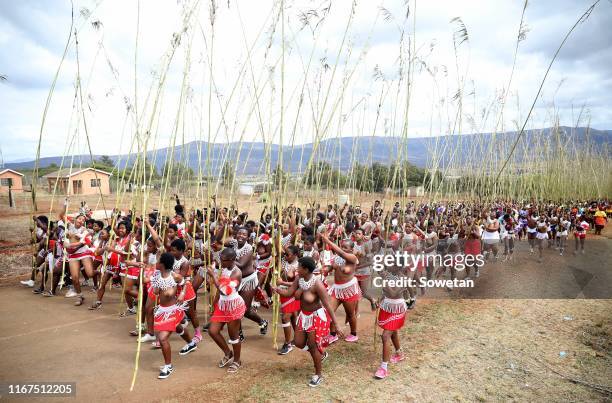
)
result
[(478, 350)]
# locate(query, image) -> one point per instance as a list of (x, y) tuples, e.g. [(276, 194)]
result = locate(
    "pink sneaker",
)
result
[(156, 344), (381, 373), (351, 338), (332, 339), (397, 357)]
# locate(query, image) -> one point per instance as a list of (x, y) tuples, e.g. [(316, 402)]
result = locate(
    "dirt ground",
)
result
[(458, 349)]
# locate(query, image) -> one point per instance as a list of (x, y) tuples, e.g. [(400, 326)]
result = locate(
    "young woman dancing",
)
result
[(316, 315), (229, 308), (345, 291), (77, 243), (169, 313)]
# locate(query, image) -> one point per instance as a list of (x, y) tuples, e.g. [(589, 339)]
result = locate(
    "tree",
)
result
[(42, 171), (323, 175), (228, 173), (374, 178), (177, 170), (105, 160), (433, 180), (361, 178), (381, 176), (405, 174), (279, 178)]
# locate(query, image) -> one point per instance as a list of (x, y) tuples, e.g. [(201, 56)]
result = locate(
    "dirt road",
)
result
[(460, 349), (47, 339)]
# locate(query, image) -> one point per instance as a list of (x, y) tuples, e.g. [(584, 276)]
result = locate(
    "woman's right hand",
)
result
[(209, 271)]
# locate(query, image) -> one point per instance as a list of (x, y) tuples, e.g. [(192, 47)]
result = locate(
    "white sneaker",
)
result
[(145, 338), (28, 283), (71, 293), (165, 371)]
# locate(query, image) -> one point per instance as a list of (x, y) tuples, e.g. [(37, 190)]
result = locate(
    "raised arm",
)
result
[(349, 257), (292, 223), (62, 214), (342, 213), (154, 234)]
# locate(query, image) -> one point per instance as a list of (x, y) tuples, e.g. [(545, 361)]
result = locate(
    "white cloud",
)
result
[(32, 38)]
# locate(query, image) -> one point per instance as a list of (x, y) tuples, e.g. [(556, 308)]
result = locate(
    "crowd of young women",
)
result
[(315, 258)]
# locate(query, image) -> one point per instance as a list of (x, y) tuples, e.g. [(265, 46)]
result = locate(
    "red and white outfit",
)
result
[(563, 228), (96, 244), (230, 306), (189, 291), (51, 255), (289, 304), (104, 259), (263, 265), (543, 230), (472, 247), (149, 273), (180, 227), (115, 260), (133, 272), (166, 318), (318, 321), (348, 291), (84, 237), (250, 282), (392, 313), (581, 230), (95, 241)]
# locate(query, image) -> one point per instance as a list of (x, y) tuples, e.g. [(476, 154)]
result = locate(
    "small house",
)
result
[(75, 181), (251, 188), (415, 191), (11, 179)]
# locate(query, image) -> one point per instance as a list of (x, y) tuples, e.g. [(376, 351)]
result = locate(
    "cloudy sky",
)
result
[(146, 67)]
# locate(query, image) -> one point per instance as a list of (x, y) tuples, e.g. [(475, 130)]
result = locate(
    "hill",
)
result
[(343, 152)]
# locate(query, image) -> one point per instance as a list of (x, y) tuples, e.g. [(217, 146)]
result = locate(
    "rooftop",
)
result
[(68, 172)]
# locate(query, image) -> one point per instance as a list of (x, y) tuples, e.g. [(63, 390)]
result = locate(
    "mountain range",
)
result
[(343, 152)]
